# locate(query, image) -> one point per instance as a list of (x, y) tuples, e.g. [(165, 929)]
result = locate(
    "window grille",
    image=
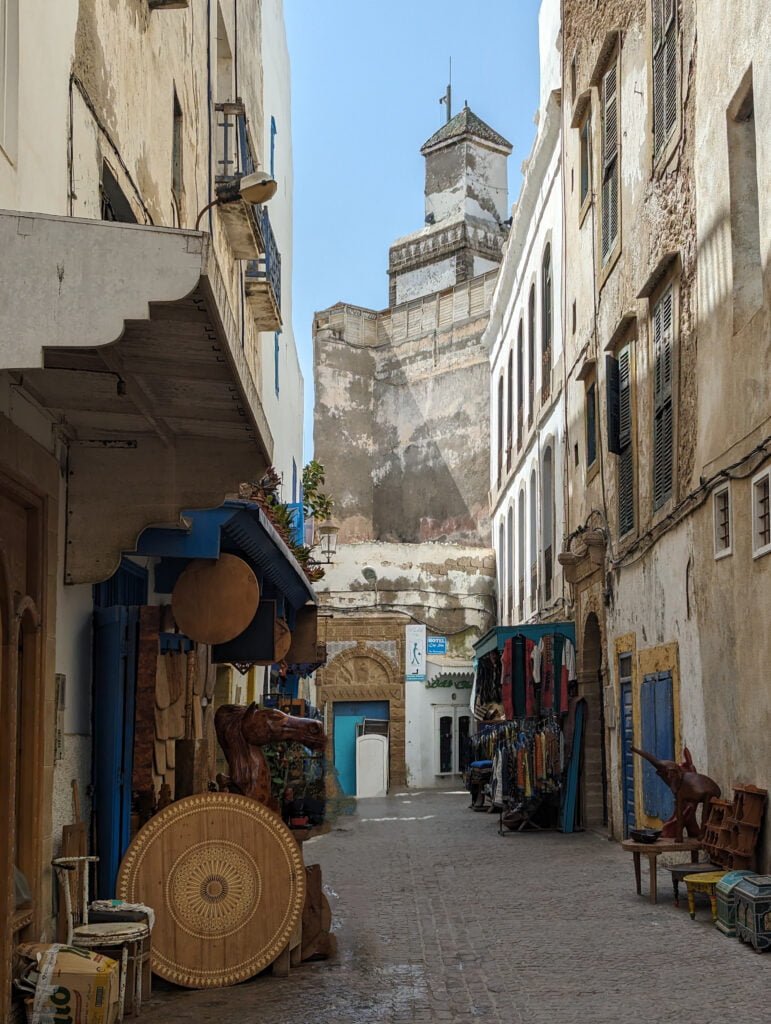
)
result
[(761, 520), (722, 515)]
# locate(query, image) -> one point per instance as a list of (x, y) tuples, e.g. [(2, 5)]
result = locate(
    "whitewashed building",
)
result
[(527, 396)]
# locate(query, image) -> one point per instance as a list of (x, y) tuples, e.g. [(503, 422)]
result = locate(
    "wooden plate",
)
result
[(214, 601), (227, 883)]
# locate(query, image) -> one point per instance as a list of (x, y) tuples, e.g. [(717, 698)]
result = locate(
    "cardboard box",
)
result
[(75, 986)]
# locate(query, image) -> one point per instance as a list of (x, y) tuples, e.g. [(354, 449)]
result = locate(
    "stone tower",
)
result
[(466, 202)]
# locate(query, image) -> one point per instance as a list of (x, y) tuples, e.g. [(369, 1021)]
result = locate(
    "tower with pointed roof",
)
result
[(466, 204)]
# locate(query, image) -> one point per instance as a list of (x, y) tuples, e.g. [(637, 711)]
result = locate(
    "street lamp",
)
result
[(255, 188), (328, 531)]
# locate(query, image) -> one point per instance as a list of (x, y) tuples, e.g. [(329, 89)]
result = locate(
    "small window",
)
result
[(665, 77), (546, 323), (115, 204), (591, 424), (276, 353), (273, 133), (761, 523), (585, 143), (520, 380), (176, 156), (721, 507), (573, 78), (610, 161)]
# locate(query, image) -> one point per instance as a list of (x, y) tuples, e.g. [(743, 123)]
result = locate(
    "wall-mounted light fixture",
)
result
[(327, 532), (255, 188)]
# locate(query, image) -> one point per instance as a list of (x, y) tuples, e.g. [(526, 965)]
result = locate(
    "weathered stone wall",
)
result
[(401, 417)]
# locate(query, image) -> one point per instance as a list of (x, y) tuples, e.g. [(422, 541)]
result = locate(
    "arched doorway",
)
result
[(594, 791)]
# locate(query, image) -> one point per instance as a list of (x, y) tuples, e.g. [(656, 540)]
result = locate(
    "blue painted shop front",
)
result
[(347, 716)]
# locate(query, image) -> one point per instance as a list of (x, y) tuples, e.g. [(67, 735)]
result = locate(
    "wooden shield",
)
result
[(227, 883), (214, 601)]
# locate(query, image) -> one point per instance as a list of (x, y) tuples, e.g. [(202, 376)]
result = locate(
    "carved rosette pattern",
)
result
[(222, 884), (213, 889)]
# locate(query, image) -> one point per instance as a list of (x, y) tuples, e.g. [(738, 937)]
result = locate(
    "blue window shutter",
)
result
[(273, 133), (275, 362), (665, 738), (658, 738), (648, 729)]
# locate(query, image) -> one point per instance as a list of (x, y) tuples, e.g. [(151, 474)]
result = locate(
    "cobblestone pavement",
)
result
[(439, 919)]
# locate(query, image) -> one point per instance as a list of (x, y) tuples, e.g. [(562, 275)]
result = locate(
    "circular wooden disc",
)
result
[(214, 601), (227, 883)]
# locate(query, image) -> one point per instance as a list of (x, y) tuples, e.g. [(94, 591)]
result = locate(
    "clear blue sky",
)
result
[(366, 79)]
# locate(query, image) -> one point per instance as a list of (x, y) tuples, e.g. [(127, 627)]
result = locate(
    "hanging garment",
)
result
[(507, 689), (560, 699), (518, 670), (568, 672), (547, 675), (530, 697)]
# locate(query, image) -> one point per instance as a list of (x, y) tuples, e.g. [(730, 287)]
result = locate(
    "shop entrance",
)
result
[(348, 715), (451, 732), (594, 793)]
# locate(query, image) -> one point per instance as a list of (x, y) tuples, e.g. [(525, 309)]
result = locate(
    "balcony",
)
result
[(262, 282), (240, 220)]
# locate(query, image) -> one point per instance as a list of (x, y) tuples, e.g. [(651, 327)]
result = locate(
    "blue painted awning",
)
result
[(498, 635), (239, 528)]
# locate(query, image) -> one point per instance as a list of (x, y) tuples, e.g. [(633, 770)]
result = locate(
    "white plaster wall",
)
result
[(33, 175), (550, 48), (481, 179), (285, 410), (421, 734), (434, 583), (426, 280), (74, 617), (481, 265)]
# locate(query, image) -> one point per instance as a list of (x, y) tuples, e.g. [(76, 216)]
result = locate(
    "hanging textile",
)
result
[(531, 704), (507, 690)]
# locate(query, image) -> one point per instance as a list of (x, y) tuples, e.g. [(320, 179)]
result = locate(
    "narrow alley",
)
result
[(439, 919)]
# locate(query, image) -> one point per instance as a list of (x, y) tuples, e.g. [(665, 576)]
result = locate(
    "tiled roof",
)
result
[(465, 123)]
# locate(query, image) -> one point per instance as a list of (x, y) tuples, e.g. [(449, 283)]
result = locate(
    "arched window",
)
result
[(547, 520), (546, 323), (533, 543), (501, 569), (509, 410), (520, 380), (521, 554), (500, 427), (530, 355), (510, 564)]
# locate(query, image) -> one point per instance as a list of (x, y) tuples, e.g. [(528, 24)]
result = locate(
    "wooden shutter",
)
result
[(626, 457), (658, 738), (610, 192), (665, 72), (663, 441), (670, 50), (612, 404)]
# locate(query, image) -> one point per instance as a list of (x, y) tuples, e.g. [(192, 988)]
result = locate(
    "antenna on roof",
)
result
[(447, 98)]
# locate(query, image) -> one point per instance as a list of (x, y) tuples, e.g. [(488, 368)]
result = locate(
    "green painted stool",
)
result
[(704, 883)]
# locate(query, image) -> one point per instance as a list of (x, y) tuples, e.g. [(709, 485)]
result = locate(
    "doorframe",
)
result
[(626, 644), (458, 711), (30, 612)]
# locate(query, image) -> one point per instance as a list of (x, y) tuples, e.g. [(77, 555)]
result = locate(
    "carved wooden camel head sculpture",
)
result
[(241, 732)]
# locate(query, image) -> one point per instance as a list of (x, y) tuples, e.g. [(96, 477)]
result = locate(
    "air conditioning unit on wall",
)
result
[(168, 5)]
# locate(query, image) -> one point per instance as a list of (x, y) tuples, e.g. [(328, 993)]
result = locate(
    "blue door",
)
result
[(347, 716), (658, 738), (116, 632), (627, 757)]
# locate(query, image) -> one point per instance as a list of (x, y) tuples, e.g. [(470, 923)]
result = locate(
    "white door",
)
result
[(371, 765), (452, 725)]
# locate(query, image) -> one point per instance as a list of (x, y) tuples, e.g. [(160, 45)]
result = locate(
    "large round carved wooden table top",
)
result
[(227, 883)]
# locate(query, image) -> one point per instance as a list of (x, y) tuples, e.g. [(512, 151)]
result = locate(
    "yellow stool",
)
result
[(704, 883)]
